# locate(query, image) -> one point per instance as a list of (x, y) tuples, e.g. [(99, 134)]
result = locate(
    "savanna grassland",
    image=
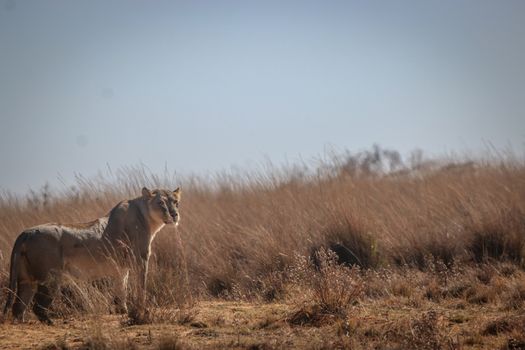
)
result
[(358, 251)]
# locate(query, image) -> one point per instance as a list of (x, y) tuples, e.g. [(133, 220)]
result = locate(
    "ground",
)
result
[(241, 325)]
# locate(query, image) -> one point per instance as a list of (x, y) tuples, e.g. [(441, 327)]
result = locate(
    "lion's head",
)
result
[(163, 205)]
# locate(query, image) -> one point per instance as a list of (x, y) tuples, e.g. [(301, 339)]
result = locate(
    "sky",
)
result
[(200, 86)]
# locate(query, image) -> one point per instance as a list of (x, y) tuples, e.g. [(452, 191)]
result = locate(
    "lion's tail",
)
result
[(13, 272)]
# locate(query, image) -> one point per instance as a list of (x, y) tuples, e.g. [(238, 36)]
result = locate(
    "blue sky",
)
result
[(199, 86)]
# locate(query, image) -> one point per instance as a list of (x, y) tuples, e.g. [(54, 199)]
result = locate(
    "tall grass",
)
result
[(239, 231)]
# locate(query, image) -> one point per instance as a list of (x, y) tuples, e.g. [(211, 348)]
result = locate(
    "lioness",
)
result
[(107, 247)]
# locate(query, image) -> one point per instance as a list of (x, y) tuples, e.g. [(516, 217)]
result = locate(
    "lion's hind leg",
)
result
[(23, 297)]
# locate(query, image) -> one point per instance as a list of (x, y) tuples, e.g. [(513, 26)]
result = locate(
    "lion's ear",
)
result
[(177, 192), (146, 193)]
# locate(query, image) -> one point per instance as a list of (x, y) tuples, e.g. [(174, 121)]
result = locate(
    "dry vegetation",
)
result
[(363, 251)]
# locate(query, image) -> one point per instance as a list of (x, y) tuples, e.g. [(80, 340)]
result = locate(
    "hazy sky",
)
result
[(203, 85)]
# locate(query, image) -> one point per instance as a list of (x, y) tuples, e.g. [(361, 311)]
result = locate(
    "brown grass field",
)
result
[(359, 251)]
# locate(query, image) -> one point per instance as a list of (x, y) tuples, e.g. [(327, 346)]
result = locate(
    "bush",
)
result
[(350, 244), (332, 288), (499, 238)]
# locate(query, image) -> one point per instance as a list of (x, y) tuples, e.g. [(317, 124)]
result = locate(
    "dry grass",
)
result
[(450, 234), (327, 289)]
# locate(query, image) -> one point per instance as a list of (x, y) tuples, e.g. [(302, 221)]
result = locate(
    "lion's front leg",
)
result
[(144, 277), (43, 299), (46, 291), (141, 276), (121, 293)]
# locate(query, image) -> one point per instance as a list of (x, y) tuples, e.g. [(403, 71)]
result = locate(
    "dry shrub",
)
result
[(400, 288), (268, 287), (335, 287), (377, 283), (481, 294), (515, 342), (331, 289), (172, 342), (397, 282), (481, 284), (311, 315), (426, 250), (456, 289), (350, 243), (55, 345), (505, 324), (500, 236), (219, 287), (423, 333), (485, 273), (144, 312), (140, 307), (433, 291), (139, 314), (507, 269), (97, 340), (513, 297)]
